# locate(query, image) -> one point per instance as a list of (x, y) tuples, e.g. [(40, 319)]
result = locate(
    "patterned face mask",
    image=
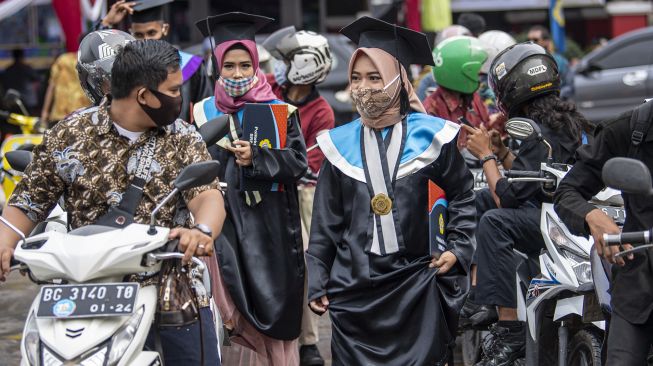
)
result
[(370, 102), (237, 87)]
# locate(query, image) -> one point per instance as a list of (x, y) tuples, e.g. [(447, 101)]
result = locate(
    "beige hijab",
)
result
[(387, 64)]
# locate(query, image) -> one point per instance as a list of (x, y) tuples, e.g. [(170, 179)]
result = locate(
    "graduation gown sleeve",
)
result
[(325, 232), (458, 182)]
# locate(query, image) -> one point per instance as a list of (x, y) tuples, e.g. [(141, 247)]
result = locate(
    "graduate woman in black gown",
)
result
[(394, 215)]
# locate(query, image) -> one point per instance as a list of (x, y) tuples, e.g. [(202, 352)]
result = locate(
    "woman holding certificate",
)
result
[(260, 281), (393, 216)]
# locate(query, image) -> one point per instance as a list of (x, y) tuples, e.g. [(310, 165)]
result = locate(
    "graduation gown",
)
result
[(392, 309), (260, 252)]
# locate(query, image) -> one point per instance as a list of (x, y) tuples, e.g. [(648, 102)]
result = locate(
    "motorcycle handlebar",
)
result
[(634, 238), (522, 174), (163, 256)]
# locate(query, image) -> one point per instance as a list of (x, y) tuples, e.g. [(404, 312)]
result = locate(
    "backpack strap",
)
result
[(640, 121)]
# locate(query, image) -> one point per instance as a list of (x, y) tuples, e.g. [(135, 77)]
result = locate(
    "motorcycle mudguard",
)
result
[(534, 307), (570, 305), (600, 274)]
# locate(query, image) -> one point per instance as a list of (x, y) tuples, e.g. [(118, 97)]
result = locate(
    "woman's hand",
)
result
[(446, 261), (478, 141), (243, 152), (319, 306)]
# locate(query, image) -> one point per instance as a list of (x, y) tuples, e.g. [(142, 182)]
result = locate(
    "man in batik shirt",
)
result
[(91, 158)]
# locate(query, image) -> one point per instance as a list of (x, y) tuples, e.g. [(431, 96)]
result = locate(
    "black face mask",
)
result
[(169, 111)]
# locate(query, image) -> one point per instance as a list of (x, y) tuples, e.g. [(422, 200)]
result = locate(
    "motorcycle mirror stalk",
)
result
[(192, 176)]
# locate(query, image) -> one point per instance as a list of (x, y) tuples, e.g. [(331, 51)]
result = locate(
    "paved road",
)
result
[(16, 296)]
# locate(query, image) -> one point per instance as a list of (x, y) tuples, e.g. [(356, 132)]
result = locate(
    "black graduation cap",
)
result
[(408, 46), (232, 26), (146, 11)]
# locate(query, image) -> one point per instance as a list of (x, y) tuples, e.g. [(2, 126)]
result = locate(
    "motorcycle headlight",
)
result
[(570, 250), (123, 337), (32, 341)]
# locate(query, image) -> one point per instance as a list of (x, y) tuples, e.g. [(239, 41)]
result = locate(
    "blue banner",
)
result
[(557, 16)]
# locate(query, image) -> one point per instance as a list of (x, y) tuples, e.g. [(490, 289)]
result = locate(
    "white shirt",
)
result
[(131, 135)]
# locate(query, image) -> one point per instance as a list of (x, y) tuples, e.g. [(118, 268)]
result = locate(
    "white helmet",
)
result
[(452, 31), (307, 54), (494, 41)]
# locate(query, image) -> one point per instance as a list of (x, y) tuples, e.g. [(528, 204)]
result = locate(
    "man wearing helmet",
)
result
[(97, 51), (304, 61), (458, 61), (526, 82)]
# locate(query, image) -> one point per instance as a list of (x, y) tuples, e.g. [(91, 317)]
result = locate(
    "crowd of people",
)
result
[(345, 227)]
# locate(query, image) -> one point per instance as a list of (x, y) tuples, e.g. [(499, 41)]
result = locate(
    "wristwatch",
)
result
[(485, 159), (204, 229)]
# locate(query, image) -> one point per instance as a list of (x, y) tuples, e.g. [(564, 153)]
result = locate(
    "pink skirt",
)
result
[(249, 346)]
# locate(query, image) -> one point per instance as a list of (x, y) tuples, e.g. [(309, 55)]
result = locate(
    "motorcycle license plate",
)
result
[(618, 214), (92, 300)]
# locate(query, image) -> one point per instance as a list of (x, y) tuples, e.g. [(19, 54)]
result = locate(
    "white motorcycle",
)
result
[(562, 300), (85, 312)]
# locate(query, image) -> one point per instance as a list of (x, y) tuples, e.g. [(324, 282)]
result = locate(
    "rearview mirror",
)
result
[(523, 129), (628, 175), (11, 96), (19, 159), (215, 129), (197, 174)]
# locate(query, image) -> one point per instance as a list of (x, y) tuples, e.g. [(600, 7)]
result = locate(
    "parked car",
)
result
[(614, 78), (337, 81)]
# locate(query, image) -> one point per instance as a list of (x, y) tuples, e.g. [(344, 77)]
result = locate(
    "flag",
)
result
[(70, 17), (557, 16)]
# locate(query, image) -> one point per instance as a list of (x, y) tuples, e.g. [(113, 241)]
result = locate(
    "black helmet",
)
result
[(522, 72), (95, 59)]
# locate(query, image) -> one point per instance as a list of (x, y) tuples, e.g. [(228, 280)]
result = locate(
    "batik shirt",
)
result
[(85, 159)]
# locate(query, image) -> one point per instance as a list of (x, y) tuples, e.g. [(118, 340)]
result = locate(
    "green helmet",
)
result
[(458, 61)]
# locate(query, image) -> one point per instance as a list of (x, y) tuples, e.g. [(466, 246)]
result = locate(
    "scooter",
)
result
[(85, 313), (562, 300)]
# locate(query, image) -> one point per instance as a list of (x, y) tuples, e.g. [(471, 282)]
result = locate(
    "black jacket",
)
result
[(531, 154), (632, 288)]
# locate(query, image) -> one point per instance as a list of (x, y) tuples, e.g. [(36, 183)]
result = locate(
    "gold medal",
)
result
[(381, 204)]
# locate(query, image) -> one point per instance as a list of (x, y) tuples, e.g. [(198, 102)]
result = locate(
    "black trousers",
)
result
[(629, 344), (499, 231)]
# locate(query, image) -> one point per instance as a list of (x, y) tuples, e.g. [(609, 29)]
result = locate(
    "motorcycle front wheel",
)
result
[(585, 349)]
